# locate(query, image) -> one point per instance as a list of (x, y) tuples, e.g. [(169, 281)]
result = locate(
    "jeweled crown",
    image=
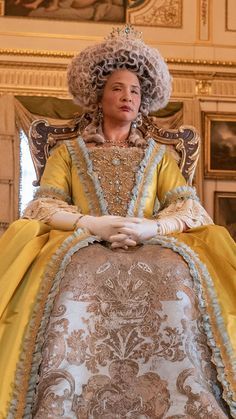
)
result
[(126, 32)]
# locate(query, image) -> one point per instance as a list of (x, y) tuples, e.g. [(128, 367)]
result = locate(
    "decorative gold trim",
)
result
[(204, 12), (33, 65), (186, 61), (68, 55), (208, 119), (222, 215), (36, 53), (203, 87), (204, 24), (203, 74)]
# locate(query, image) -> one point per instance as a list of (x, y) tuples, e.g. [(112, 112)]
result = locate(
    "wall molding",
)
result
[(35, 53), (43, 79), (68, 55)]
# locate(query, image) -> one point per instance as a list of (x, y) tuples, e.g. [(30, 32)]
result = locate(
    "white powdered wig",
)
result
[(123, 49)]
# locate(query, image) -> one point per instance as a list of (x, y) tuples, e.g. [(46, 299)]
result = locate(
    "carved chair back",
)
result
[(184, 143)]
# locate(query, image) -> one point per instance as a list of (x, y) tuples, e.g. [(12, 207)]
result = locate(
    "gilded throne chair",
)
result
[(184, 142)]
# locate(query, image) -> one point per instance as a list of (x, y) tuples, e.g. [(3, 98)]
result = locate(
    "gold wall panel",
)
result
[(204, 20), (183, 87), (167, 14), (230, 16), (33, 81), (225, 88)]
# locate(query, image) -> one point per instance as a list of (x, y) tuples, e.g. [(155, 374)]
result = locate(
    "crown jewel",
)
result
[(127, 32)]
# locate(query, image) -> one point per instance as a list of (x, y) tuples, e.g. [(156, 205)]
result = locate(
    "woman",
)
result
[(104, 326)]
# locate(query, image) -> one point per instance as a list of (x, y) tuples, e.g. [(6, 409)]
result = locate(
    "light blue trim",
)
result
[(193, 262), (181, 193), (160, 151), (37, 356), (97, 186), (53, 192)]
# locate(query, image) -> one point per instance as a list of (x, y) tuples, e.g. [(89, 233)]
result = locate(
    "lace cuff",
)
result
[(43, 209), (190, 212)]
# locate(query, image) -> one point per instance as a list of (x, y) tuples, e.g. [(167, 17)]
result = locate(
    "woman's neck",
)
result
[(116, 133)]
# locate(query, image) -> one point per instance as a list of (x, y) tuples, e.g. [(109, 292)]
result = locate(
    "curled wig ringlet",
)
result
[(89, 71)]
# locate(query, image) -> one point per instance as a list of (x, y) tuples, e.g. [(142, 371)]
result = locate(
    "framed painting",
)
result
[(220, 145), (76, 10), (225, 211), (158, 13)]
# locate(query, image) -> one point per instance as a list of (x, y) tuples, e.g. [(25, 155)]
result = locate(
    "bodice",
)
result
[(115, 169)]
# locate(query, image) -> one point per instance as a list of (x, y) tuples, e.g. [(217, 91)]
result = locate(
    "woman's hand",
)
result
[(105, 227), (121, 232), (136, 229)]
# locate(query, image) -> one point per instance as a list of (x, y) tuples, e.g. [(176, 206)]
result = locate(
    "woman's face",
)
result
[(121, 97)]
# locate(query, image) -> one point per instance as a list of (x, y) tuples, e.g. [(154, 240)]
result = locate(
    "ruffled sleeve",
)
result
[(54, 193), (180, 206)]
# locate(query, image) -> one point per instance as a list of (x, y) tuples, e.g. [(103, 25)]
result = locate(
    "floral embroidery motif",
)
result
[(134, 341), (124, 391)]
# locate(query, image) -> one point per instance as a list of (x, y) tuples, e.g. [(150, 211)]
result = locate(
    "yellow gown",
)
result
[(33, 255)]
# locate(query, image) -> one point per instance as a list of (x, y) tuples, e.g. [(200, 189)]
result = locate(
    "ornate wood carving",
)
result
[(185, 140), (203, 87), (44, 136)]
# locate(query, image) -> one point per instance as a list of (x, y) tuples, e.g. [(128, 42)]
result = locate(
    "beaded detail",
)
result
[(116, 171)]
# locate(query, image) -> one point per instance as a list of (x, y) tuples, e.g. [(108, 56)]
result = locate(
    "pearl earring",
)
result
[(138, 121)]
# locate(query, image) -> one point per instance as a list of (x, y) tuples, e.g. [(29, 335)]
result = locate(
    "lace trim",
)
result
[(81, 159), (181, 193), (152, 158), (27, 368), (212, 321), (42, 209), (188, 212)]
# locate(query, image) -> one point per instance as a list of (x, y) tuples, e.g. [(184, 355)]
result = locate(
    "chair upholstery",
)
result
[(184, 143)]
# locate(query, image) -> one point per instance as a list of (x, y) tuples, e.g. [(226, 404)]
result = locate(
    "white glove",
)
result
[(105, 227), (171, 224), (136, 229)]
